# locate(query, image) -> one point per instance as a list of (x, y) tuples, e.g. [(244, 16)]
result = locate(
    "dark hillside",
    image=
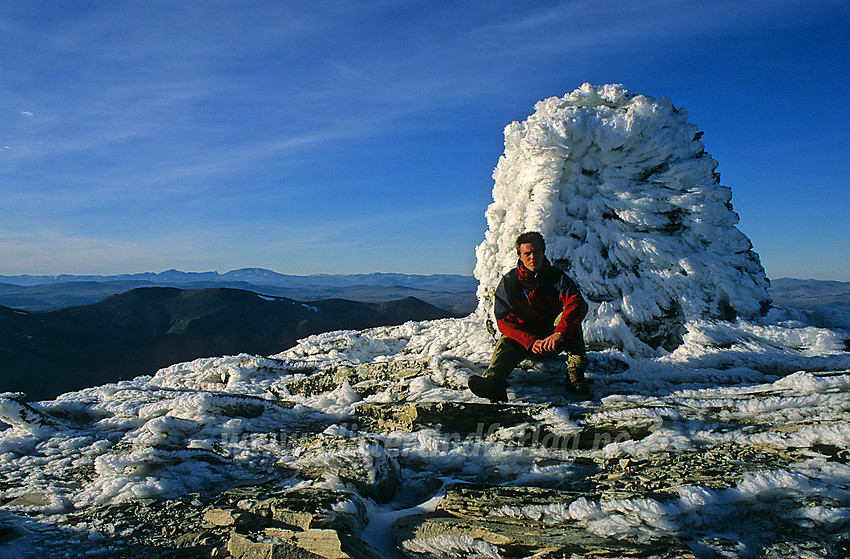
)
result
[(47, 293), (47, 353)]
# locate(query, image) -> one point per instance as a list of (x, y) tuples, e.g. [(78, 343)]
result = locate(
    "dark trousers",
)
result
[(509, 353)]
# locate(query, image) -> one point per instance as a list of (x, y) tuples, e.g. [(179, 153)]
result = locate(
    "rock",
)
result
[(365, 379), (429, 536), (241, 546), (832, 452), (587, 438), (721, 467), (485, 420), (322, 542), (14, 411), (277, 510), (497, 521), (29, 500), (360, 461), (298, 544), (300, 520), (324, 508), (481, 501), (201, 541), (229, 517), (420, 535), (463, 417)]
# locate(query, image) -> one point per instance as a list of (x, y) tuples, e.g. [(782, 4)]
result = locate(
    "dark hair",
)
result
[(532, 237)]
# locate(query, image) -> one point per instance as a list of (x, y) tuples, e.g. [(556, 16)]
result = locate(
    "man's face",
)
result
[(531, 256)]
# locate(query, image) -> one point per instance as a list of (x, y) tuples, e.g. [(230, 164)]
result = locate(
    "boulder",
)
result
[(362, 462)]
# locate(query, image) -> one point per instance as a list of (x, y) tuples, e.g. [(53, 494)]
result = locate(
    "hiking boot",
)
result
[(492, 388), (575, 381)]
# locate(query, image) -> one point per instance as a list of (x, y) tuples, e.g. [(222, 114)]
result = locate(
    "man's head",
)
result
[(530, 248)]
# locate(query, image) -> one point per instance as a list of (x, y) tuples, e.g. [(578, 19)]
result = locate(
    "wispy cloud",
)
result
[(579, 24), (163, 114), (121, 78)]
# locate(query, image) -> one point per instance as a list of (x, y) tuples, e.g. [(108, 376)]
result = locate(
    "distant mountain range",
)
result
[(823, 303), (61, 333), (142, 330), (454, 293), (811, 293), (261, 276)]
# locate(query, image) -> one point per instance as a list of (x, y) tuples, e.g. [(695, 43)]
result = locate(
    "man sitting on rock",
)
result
[(538, 310)]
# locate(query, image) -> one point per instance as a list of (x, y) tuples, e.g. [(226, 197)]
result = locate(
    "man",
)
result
[(538, 310)]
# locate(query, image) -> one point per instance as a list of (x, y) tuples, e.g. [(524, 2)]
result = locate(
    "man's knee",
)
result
[(506, 356), (575, 345)]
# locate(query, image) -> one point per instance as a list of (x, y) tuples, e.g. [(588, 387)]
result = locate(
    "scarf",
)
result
[(527, 278)]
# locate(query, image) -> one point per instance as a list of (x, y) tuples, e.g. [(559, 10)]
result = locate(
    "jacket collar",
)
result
[(525, 275)]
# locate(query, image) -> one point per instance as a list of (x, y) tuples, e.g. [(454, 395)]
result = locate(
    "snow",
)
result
[(630, 206), (649, 248), (453, 546), (212, 423)]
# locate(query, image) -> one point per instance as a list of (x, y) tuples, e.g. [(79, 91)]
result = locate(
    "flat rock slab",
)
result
[(475, 521), (29, 500), (463, 417), (484, 420), (367, 378), (277, 543)]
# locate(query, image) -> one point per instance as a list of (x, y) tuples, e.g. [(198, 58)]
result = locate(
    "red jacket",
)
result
[(526, 311)]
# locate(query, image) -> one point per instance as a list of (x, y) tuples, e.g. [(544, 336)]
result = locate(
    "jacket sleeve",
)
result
[(514, 331), (506, 322), (575, 307)]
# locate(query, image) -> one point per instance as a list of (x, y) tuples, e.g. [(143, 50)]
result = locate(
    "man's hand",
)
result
[(547, 345)]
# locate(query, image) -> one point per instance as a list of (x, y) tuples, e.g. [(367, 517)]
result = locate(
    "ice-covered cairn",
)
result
[(630, 206)]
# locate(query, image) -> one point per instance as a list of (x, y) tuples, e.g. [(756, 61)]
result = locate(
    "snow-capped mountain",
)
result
[(367, 443)]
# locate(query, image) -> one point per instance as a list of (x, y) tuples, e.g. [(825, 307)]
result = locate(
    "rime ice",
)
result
[(630, 206), (739, 434)]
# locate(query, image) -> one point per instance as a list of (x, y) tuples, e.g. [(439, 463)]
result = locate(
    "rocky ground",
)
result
[(704, 467)]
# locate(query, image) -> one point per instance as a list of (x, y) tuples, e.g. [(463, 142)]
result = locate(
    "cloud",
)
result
[(190, 112), (176, 74)]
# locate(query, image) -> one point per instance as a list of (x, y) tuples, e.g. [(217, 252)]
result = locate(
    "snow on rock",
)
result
[(723, 428), (734, 444), (631, 207)]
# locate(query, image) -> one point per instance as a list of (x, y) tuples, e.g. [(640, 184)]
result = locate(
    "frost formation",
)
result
[(631, 208)]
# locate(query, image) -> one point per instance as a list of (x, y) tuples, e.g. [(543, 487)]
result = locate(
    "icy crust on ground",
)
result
[(214, 423), (630, 206)]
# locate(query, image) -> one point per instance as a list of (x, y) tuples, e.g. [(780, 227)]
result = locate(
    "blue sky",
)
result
[(355, 137)]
